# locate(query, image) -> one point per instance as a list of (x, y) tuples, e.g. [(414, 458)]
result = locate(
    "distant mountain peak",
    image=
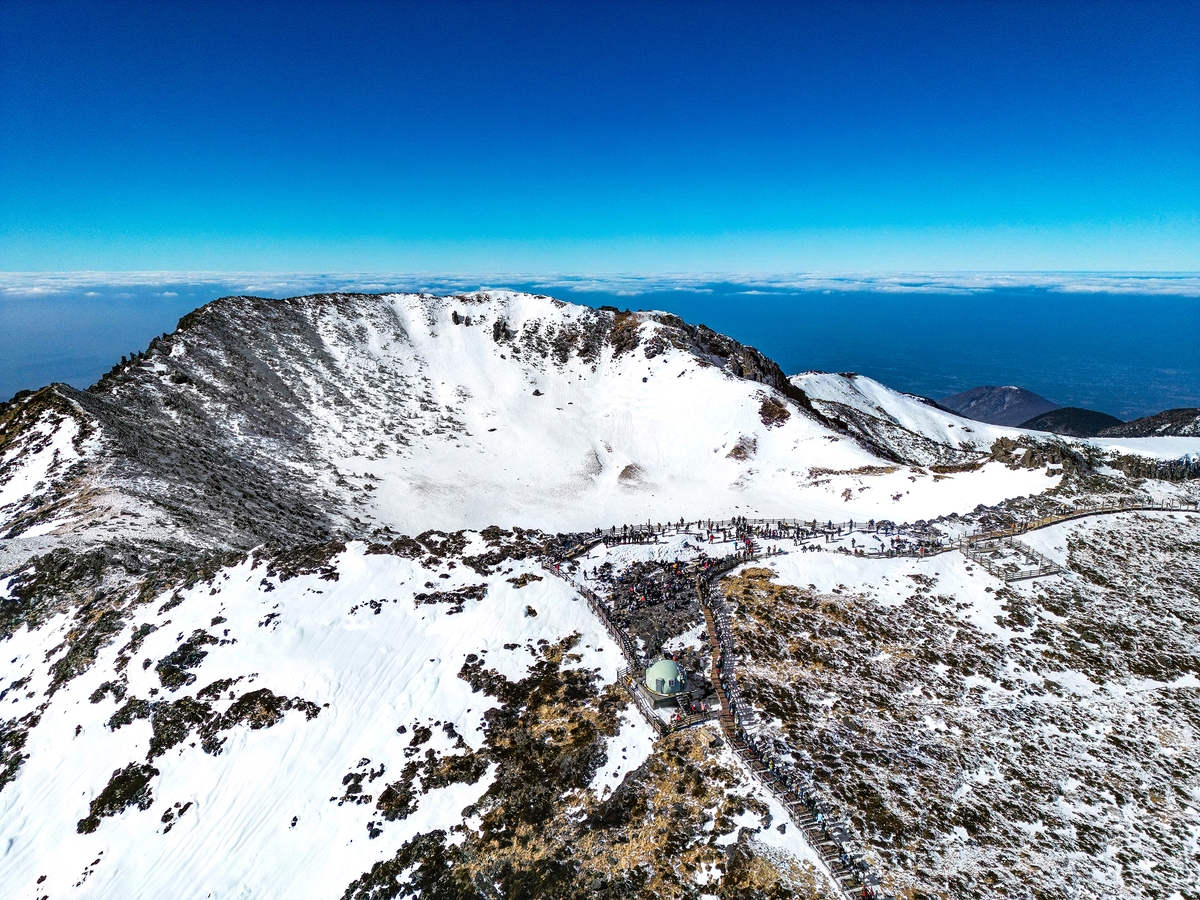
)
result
[(998, 405), (1072, 421)]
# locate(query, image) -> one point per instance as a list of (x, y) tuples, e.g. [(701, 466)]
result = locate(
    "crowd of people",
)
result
[(789, 778), (687, 711), (890, 540), (782, 775)]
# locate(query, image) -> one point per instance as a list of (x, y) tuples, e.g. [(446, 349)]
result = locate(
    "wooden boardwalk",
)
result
[(831, 839), (1078, 513), (996, 556)]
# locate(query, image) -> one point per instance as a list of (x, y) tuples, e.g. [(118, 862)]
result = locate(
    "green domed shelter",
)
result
[(665, 678)]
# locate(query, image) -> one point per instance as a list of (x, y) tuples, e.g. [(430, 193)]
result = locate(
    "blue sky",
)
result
[(599, 137)]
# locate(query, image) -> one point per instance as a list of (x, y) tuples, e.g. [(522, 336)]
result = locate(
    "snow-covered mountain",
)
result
[(1183, 422), (264, 420), (281, 617), (911, 428)]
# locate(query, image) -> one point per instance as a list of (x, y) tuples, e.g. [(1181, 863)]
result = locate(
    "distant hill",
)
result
[(1007, 405), (1073, 421), (1172, 422)]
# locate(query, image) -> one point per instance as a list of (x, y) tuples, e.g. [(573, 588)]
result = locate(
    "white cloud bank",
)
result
[(1187, 284)]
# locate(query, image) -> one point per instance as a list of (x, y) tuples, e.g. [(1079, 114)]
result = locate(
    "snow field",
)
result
[(672, 546), (410, 420), (1166, 448), (889, 581), (369, 673), (603, 447)]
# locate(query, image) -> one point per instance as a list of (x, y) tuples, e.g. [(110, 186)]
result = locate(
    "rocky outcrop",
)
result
[(1023, 454)]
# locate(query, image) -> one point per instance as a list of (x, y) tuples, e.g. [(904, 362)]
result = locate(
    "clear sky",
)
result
[(599, 136)]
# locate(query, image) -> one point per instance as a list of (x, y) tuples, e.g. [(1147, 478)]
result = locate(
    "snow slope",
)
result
[(1165, 448), (44, 448), (344, 720), (366, 673), (914, 430), (902, 422)]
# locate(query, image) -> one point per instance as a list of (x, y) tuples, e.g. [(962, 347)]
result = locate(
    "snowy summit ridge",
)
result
[(277, 420)]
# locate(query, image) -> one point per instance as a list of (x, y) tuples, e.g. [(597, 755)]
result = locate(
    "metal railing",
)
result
[(1077, 513), (1036, 564)]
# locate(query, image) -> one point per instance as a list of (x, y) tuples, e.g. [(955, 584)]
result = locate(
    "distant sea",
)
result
[(1127, 347)]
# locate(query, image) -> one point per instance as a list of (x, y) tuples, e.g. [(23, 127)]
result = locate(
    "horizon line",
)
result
[(1173, 282)]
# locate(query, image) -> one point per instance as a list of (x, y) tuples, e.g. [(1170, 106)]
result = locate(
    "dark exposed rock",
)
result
[(172, 721), (127, 787), (13, 735), (1029, 454), (172, 668), (455, 598)]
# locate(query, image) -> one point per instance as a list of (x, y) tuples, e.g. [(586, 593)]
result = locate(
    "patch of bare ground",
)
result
[(773, 412), (667, 831), (745, 448)]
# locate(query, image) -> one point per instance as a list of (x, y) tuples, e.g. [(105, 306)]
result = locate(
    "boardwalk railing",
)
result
[(626, 677), (1077, 513), (633, 657), (923, 539), (1036, 565)]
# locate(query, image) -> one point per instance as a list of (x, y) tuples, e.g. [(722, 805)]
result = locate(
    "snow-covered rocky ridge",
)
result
[(260, 420), (911, 428)]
